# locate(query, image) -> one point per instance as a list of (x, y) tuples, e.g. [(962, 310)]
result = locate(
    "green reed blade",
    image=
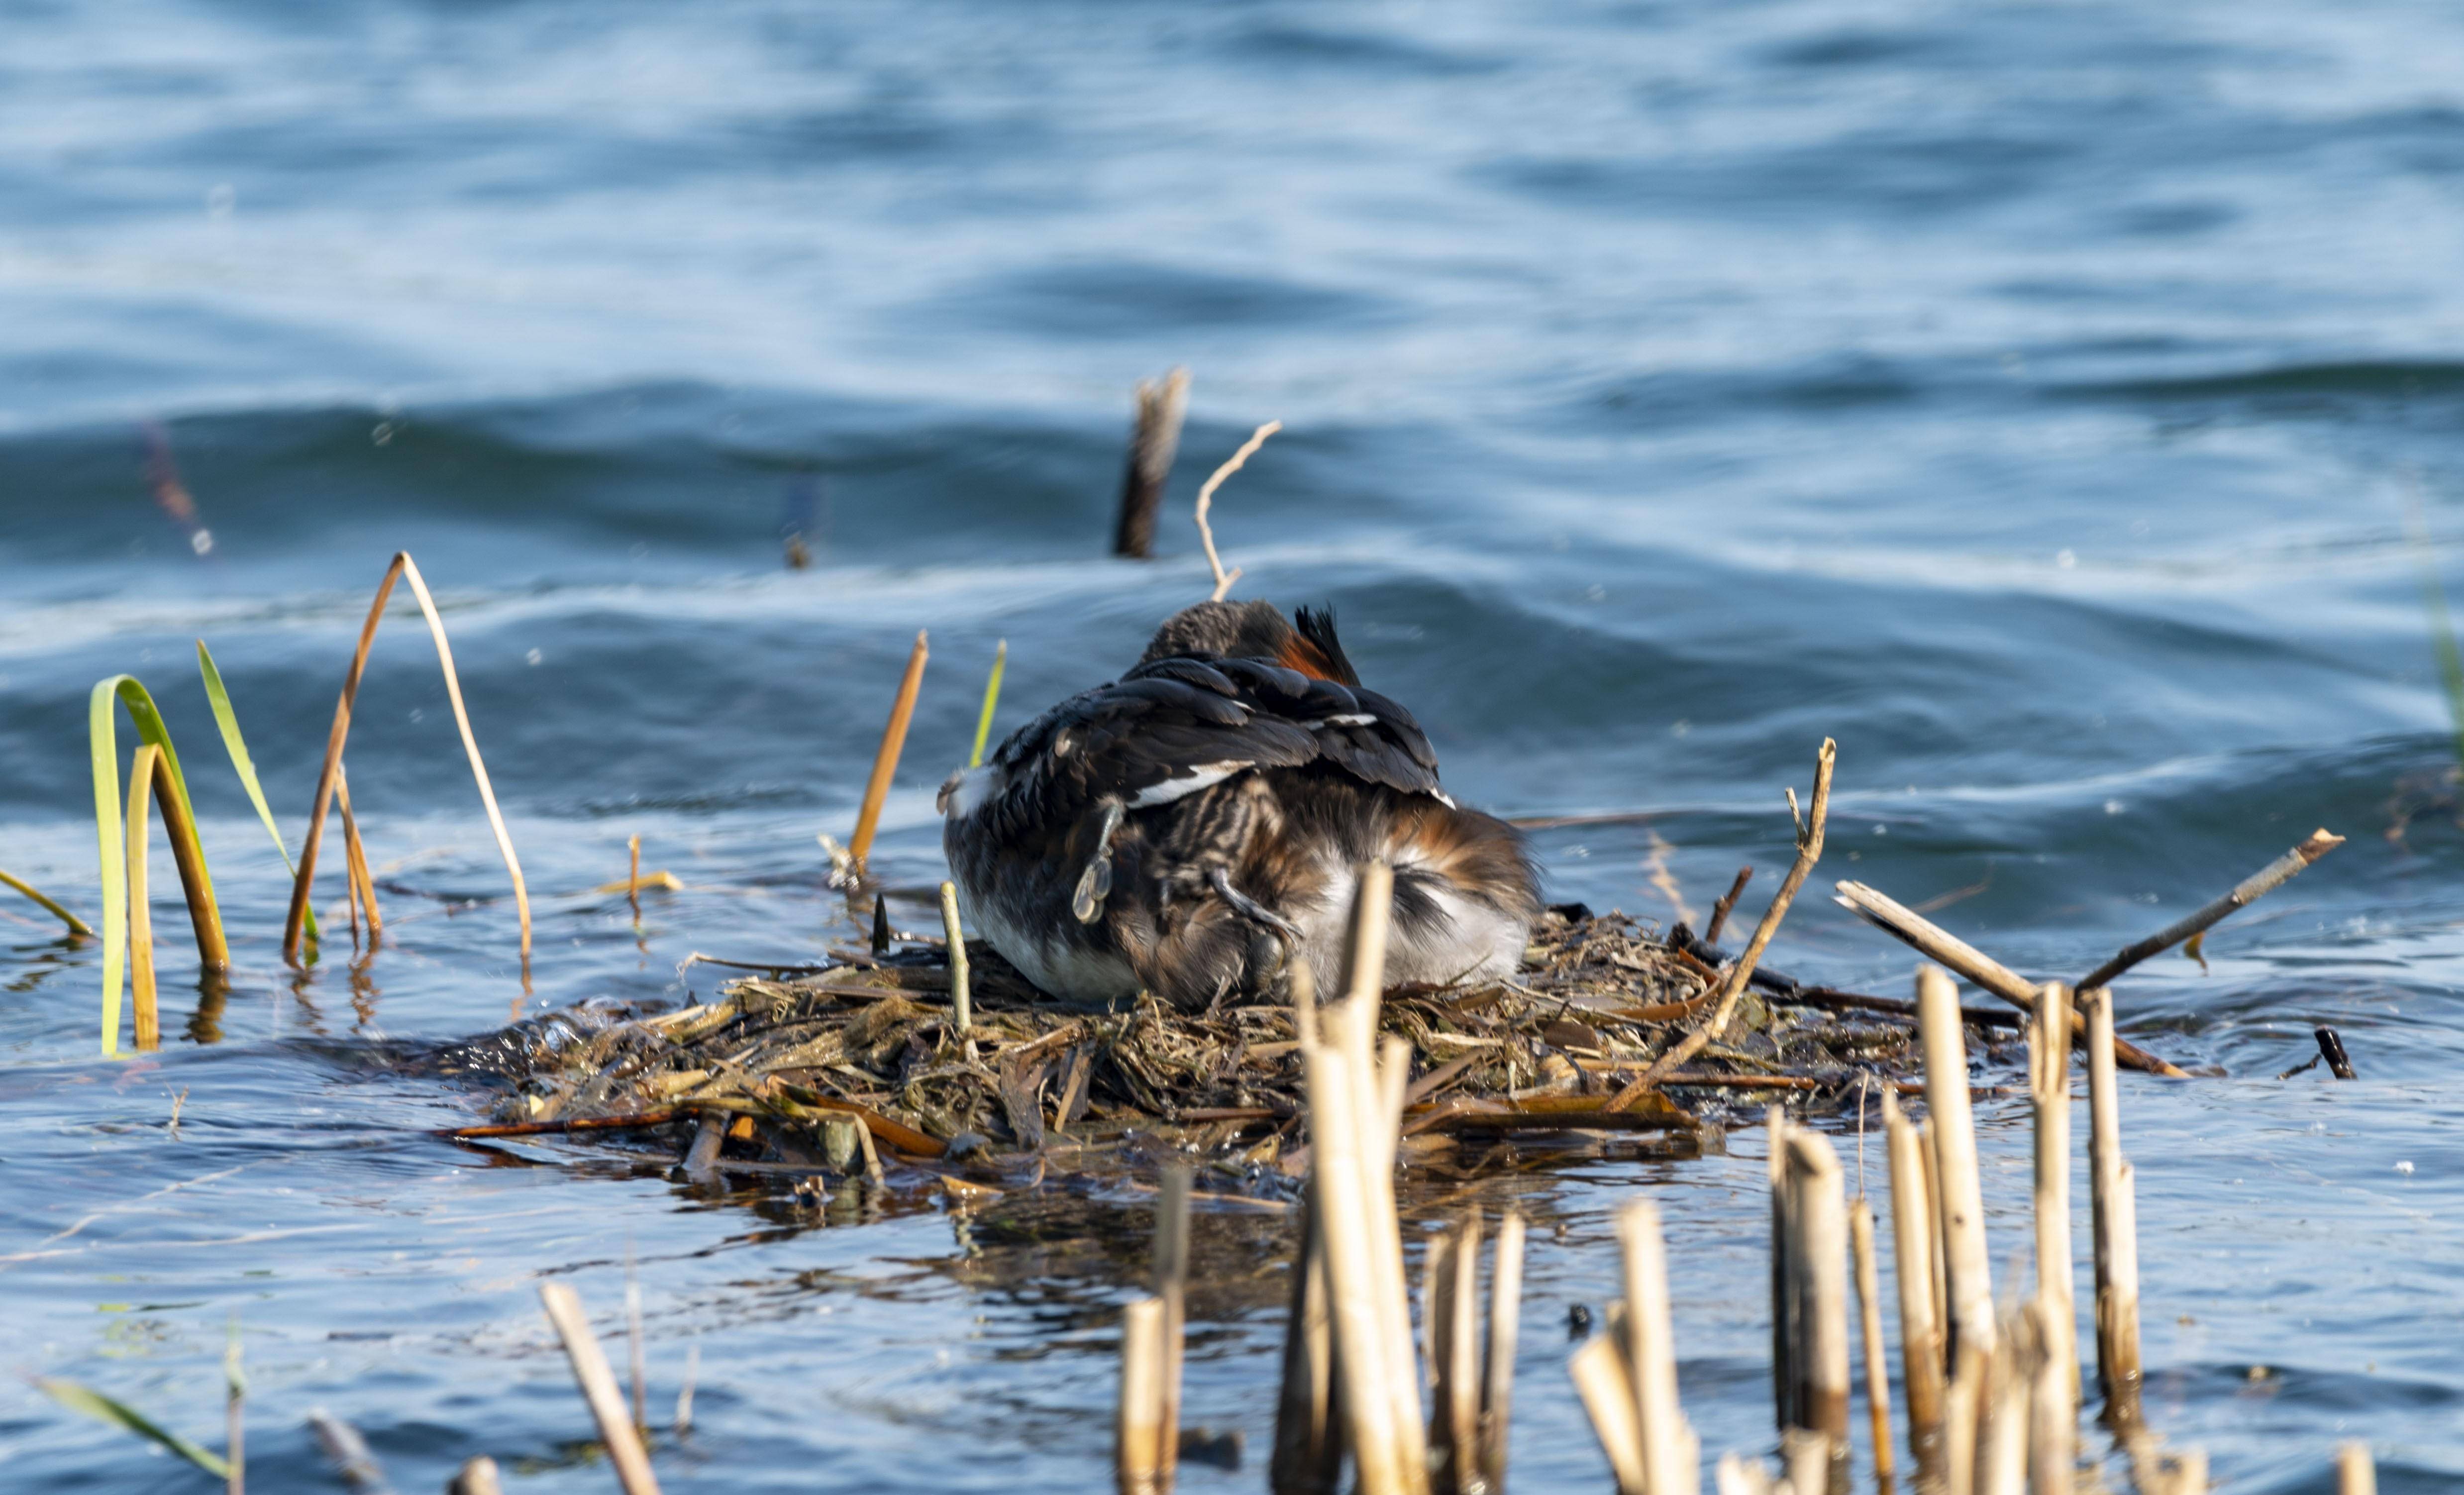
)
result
[(2442, 630), (102, 742), (218, 696), (95, 1404), (992, 699), (77, 926)]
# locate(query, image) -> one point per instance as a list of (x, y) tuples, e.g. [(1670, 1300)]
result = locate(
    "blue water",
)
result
[(2028, 396)]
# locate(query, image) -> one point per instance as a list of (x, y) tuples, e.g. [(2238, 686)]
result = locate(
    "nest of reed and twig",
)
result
[(1537, 1061)]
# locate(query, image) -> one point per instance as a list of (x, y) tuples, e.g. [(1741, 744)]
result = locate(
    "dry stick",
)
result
[(1809, 851), (872, 1173), (961, 1006), (1308, 1456), (326, 775), (1821, 1261), (1878, 1368), (355, 860), (598, 1384), (1140, 1444), (1727, 901), (1599, 1376), (1929, 939), (1962, 1203), (1670, 1453), (635, 1355), (1206, 499), (2117, 1344), (1782, 1275), (140, 913), (2331, 1048), (2258, 885), (1912, 1231), (2049, 1053), (884, 760), (349, 1453), (1504, 1316), (1458, 1404), (1172, 1290), (2355, 1473), (1153, 442)]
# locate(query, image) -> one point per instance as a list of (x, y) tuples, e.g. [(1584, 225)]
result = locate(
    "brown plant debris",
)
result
[(1499, 1069)]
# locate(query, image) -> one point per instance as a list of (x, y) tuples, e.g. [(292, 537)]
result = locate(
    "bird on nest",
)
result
[(1194, 826)]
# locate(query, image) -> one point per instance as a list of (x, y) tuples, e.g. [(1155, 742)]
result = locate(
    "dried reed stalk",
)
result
[(1308, 1450), (1878, 1366), (2355, 1472), (2116, 1310), (1960, 1200), (476, 1477), (1140, 1444), (1932, 941), (1505, 1320), (2258, 885), (598, 1382), (633, 875), (1671, 1454), (1819, 1256), (1601, 1380), (1451, 1314), (2052, 1394), (1172, 1290), (141, 772), (330, 772), (355, 860), (2002, 1437), (885, 759), (1154, 441), (1783, 1273), (1809, 851), (1920, 1338), (2048, 1052), (1232, 464), (962, 1010)]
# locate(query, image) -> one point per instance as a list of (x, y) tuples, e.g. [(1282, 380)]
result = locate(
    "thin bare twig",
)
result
[(1223, 579), (1809, 851), (2258, 885)]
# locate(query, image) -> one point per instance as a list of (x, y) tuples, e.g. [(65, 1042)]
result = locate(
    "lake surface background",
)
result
[(2028, 396)]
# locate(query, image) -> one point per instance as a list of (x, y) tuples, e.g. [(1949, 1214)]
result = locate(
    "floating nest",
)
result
[(780, 1073)]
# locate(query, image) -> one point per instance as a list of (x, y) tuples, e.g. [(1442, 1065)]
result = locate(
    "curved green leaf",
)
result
[(78, 1397), (219, 699)]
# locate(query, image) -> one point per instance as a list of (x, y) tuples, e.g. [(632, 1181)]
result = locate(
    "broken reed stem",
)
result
[(1809, 851), (1671, 1454), (962, 1010), (1223, 579), (2002, 1435), (2049, 1055), (598, 1382), (76, 926), (1912, 1233), (635, 1355), (2258, 885), (885, 759), (1504, 1319), (1600, 1374), (1138, 1448), (1936, 943), (1309, 1454), (1153, 442), (1172, 1290), (633, 876), (355, 861), (2355, 1472), (1364, 947), (330, 771), (1782, 1274), (1819, 1256), (1456, 1391), (140, 914), (685, 1392), (2051, 1394), (1966, 1264), (349, 1453), (476, 1477), (1878, 1366), (2115, 1223), (992, 701), (1728, 900)]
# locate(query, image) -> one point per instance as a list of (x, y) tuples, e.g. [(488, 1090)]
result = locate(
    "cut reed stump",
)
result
[(1154, 441), (2115, 1223)]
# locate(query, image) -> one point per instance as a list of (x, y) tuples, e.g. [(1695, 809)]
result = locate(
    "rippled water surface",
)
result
[(2028, 396)]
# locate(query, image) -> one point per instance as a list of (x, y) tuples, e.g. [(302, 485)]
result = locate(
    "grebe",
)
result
[(1182, 828)]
